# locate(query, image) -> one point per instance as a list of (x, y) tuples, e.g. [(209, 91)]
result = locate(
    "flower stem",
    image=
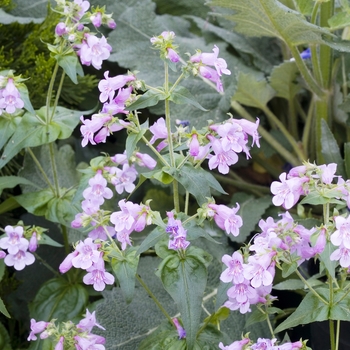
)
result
[(143, 284), (49, 93)]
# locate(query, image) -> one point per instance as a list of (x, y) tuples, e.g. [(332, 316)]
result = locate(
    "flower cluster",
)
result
[(10, 98), (17, 246), (87, 256), (74, 35), (114, 97), (262, 344), (164, 42), (177, 233), (68, 334)]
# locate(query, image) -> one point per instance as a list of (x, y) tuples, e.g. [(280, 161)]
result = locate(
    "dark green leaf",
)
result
[(58, 299), (185, 280), (7, 128), (181, 96), (148, 99), (330, 149), (133, 139), (152, 238), (252, 92), (12, 181), (255, 317), (125, 271), (288, 269), (270, 18), (25, 97), (311, 309), (290, 284), (329, 264), (71, 66), (3, 309), (5, 340)]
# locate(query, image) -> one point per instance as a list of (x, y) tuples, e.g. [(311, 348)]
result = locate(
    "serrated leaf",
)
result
[(58, 299), (125, 271), (330, 149), (185, 280), (311, 309), (32, 131), (12, 181), (283, 80), (251, 92), (259, 18)]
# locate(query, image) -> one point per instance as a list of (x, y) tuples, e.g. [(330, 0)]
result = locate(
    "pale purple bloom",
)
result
[(33, 242), (221, 159), (306, 54), (83, 6), (237, 345), (89, 322), (320, 242), (257, 270), (14, 240), (264, 344), (159, 130), (100, 233), (59, 345), (288, 191), (194, 145), (123, 179), (172, 55), (178, 240), (96, 19), (120, 158), (87, 344), (98, 276), (180, 330), (35, 328), (298, 171), (98, 189), (123, 238), (232, 136), (61, 29), (19, 260), (87, 254), (342, 235), (2, 254), (125, 219), (227, 219), (234, 271), (327, 172), (146, 160), (291, 346), (66, 264), (11, 98), (211, 74), (250, 128), (89, 128), (94, 50), (342, 254), (111, 23)]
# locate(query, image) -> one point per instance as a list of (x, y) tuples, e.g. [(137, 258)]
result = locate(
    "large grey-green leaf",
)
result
[(7, 18), (270, 18)]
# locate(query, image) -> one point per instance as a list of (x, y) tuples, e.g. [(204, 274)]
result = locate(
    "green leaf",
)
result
[(133, 139), (290, 284), (329, 264), (337, 44), (6, 18), (196, 181), (33, 131), (330, 149), (3, 309), (288, 269), (125, 271), (340, 309), (347, 158), (148, 99), (58, 299), (311, 309), (12, 181), (45, 239), (25, 97), (181, 96), (151, 240), (5, 340), (339, 20), (185, 280), (305, 6), (71, 66), (255, 317), (283, 80), (270, 18), (317, 198), (251, 92), (251, 210), (7, 128), (8, 205)]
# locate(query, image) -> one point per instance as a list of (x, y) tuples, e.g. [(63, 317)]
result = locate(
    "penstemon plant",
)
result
[(99, 210)]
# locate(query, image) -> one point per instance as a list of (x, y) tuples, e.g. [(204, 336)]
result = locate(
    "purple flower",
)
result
[(81, 8), (87, 254), (66, 264), (327, 172), (257, 270), (264, 344), (237, 345), (87, 343), (221, 159), (180, 330), (234, 271), (98, 276), (194, 145), (61, 29), (94, 50), (19, 260), (35, 328), (342, 254), (33, 242), (96, 19), (146, 160), (341, 235), (125, 219), (59, 345), (98, 189), (89, 322), (306, 54), (2, 254), (89, 128), (123, 179), (159, 130), (10, 98), (211, 74), (172, 55), (14, 240)]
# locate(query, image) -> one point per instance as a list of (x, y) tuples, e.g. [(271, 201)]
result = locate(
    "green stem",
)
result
[(49, 93), (54, 169), (187, 202), (337, 336), (40, 168), (65, 239), (170, 139), (160, 157), (269, 322), (143, 284), (58, 94), (190, 219), (310, 287), (331, 334), (176, 82), (307, 132), (288, 156)]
